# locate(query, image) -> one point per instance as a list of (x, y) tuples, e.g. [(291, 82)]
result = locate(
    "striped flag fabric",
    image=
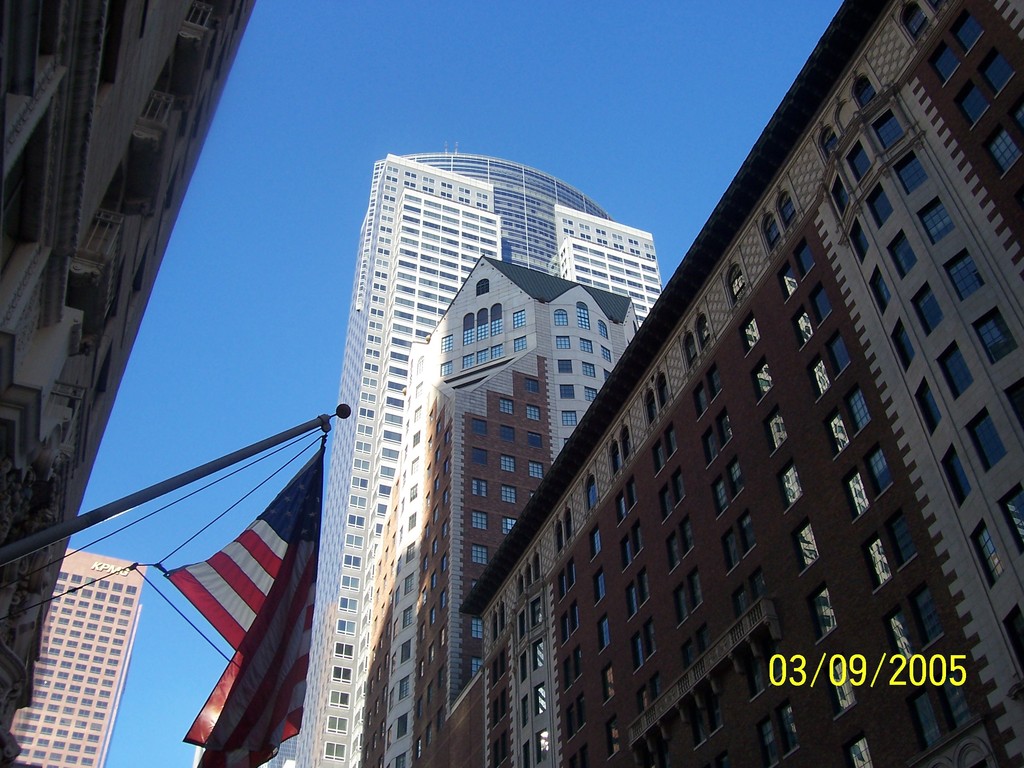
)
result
[(258, 593)]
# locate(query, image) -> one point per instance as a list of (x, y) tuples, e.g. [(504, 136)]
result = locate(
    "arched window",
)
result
[(651, 407), (561, 317), (786, 209), (914, 20), (582, 315), (483, 286), (496, 320), (614, 457), (703, 333), (467, 329), (481, 324), (828, 141), (770, 228), (568, 522), (863, 91), (602, 328), (591, 492), (690, 348), (624, 440), (559, 536), (661, 384), (737, 283)]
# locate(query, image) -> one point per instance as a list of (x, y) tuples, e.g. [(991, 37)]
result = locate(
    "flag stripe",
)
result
[(258, 591), (207, 603)]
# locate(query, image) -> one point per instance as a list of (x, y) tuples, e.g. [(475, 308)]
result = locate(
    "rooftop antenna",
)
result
[(446, 147), (456, 147)]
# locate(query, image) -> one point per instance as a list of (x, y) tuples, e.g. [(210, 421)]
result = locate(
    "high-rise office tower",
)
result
[(430, 219), (86, 645)]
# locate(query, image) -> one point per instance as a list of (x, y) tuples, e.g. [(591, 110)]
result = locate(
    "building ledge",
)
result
[(760, 614)]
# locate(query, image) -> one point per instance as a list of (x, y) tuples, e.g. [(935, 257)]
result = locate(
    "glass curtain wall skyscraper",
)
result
[(429, 220)]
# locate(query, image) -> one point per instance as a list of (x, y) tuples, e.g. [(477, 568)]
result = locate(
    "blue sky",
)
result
[(648, 107)]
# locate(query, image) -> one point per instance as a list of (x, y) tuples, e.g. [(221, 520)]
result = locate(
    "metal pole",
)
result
[(63, 530)]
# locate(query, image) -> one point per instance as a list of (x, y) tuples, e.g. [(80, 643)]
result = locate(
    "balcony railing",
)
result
[(761, 613)]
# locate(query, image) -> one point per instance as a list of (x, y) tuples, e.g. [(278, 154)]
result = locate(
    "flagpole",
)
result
[(65, 529)]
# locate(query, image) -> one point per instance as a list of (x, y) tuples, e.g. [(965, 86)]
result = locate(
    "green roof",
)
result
[(545, 287)]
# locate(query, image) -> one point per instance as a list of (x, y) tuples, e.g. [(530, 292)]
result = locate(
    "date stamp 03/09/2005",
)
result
[(890, 669)]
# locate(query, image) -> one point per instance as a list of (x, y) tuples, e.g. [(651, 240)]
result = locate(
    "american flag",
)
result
[(258, 593)]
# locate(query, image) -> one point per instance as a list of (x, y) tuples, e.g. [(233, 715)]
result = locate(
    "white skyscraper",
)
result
[(430, 218)]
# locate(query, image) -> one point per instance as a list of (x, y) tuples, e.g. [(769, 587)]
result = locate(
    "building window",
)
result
[(531, 385), (536, 469), (903, 256), (964, 275), (914, 20), (841, 197), (508, 463), (604, 633), (904, 347), (776, 429), (972, 102), (986, 440), (995, 336), (750, 334), (863, 91), (859, 240), (1003, 149), (1013, 508), (823, 614), (519, 318), (508, 494), (478, 554), (478, 487), (926, 614), (837, 432), (900, 536), (582, 315), (806, 546), (508, 434), (786, 209), (479, 519), (787, 727), (927, 725), (954, 369), (936, 220), (856, 494), (880, 290), (770, 230), (857, 754), (987, 553), (602, 329), (766, 738), (877, 561), (828, 141), (586, 345), (911, 173), (565, 366), (568, 418), (789, 483), (563, 342), (858, 160), (566, 391), (928, 310), (881, 477), (967, 30), (533, 412), (762, 380), (945, 62), (929, 408), (534, 440), (505, 405), (955, 474), (879, 205)]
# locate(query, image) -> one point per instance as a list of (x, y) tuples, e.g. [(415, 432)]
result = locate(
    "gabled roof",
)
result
[(545, 287)]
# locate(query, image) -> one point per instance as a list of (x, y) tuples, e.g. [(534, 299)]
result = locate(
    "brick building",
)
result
[(811, 451), (494, 393)]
